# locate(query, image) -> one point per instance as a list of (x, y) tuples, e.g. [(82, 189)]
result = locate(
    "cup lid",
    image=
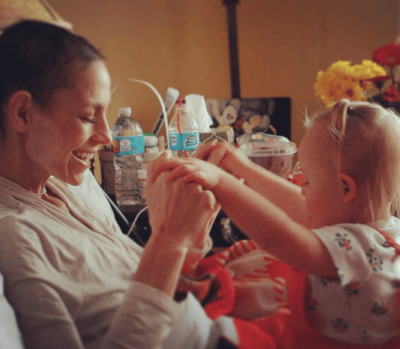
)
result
[(261, 144)]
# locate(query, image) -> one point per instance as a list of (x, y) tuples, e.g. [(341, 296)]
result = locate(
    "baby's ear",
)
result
[(349, 187)]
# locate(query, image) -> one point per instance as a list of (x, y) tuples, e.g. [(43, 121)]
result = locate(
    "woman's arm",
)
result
[(180, 216)]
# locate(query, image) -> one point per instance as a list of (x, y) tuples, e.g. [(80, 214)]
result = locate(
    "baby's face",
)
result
[(321, 189)]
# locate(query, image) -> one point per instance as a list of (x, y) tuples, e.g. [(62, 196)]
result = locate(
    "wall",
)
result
[(184, 44)]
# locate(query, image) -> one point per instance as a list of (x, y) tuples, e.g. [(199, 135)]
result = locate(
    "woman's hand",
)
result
[(180, 213), (151, 169)]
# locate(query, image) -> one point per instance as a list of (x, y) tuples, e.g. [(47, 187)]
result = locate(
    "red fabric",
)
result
[(251, 337), (390, 241), (287, 329), (250, 283), (260, 333), (223, 304)]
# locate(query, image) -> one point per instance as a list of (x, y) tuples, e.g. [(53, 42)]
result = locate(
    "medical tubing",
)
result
[(134, 222), (169, 102), (159, 99), (125, 220), (167, 136)]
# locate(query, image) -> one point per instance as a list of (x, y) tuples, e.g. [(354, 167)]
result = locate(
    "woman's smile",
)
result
[(83, 156)]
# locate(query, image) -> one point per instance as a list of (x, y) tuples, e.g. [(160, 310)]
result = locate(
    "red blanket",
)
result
[(265, 297)]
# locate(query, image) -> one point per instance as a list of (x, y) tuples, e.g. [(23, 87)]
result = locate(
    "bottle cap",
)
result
[(127, 111), (150, 139), (181, 104)]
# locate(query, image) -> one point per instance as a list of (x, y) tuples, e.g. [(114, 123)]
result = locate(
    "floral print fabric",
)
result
[(358, 306)]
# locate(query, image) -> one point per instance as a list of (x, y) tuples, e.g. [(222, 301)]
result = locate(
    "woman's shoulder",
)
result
[(12, 197), (16, 231)]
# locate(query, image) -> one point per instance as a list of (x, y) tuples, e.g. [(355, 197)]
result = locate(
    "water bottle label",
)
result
[(128, 145), (184, 141)]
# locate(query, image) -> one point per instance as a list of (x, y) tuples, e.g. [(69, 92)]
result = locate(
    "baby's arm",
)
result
[(278, 190), (272, 228)]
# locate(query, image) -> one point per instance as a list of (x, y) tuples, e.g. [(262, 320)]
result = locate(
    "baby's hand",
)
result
[(192, 170), (212, 152), (224, 155)]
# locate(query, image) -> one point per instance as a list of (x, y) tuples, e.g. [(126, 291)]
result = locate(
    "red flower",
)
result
[(379, 78), (388, 55), (378, 81), (392, 95)]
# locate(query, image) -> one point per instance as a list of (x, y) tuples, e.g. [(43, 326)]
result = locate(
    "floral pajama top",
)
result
[(358, 307)]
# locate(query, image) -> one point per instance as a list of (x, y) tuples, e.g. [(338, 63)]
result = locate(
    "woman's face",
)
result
[(63, 136)]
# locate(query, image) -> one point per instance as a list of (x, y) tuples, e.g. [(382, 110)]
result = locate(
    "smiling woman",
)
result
[(55, 98), (63, 136), (72, 277)]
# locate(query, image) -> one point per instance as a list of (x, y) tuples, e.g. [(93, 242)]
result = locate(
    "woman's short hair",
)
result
[(37, 57), (368, 139)]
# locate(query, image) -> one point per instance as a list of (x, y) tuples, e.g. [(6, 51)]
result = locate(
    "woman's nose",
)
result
[(102, 133)]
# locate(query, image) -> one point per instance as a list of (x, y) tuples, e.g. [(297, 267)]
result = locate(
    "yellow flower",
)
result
[(371, 70), (341, 80)]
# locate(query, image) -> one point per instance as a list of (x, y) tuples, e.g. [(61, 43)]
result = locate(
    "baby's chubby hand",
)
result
[(191, 170), (224, 155), (212, 151)]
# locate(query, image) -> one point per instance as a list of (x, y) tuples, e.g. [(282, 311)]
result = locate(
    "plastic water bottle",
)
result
[(184, 136), (128, 147)]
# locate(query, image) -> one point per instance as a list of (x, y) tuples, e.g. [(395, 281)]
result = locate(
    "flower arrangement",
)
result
[(374, 80)]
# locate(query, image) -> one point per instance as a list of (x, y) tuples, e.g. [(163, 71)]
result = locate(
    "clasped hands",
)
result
[(182, 206)]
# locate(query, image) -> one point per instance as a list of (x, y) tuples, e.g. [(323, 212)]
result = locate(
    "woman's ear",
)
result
[(18, 109), (349, 187)]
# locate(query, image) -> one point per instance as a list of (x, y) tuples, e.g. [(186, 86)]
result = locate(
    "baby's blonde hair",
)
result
[(368, 139)]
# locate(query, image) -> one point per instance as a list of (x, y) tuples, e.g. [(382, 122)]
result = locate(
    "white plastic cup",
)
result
[(274, 153)]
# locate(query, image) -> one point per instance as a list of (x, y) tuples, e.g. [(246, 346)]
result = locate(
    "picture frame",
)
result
[(252, 115)]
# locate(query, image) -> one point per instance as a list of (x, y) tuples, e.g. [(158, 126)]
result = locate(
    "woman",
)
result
[(68, 269)]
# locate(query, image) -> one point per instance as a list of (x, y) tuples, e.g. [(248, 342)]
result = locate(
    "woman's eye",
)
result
[(89, 119)]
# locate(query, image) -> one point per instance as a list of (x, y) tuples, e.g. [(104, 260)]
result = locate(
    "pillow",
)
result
[(10, 337)]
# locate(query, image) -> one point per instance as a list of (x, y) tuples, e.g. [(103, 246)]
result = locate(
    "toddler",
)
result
[(338, 228)]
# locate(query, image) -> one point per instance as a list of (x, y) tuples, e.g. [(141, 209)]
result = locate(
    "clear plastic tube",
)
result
[(159, 99)]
